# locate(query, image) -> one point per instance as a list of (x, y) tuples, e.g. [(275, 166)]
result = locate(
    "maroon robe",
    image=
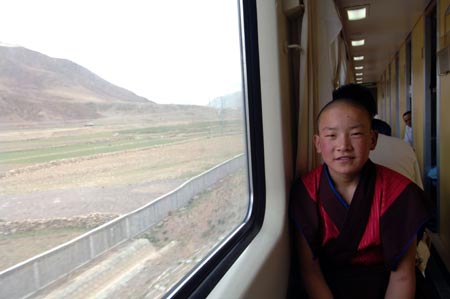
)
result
[(358, 244)]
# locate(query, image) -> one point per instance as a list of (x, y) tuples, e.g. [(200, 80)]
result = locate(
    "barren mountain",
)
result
[(36, 87)]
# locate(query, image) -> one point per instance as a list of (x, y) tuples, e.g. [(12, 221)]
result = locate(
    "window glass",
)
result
[(123, 143)]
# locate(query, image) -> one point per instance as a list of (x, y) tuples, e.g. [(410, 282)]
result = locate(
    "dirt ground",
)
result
[(114, 183), (148, 266)]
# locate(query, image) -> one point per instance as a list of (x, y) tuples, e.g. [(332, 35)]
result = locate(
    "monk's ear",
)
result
[(317, 143), (373, 139)]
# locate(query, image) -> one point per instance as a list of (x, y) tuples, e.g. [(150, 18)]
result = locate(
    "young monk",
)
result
[(356, 222)]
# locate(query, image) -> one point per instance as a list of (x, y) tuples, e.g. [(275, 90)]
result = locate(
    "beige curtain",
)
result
[(336, 65), (320, 72), (346, 71), (306, 158)]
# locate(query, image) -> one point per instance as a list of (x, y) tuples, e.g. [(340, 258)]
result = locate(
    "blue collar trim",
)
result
[(330, 182)]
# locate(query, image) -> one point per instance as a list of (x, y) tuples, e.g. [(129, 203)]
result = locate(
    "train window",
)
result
[(125, 131)]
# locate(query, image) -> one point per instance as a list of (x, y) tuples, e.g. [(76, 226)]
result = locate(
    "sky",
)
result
[(171, 52)]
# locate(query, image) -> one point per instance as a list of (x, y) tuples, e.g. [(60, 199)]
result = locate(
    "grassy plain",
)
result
[(92, 140)]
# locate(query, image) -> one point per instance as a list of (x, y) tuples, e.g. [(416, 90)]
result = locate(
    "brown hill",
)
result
[(35, 87)]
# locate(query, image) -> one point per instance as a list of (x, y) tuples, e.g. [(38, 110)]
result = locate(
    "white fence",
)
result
[(26, 278)]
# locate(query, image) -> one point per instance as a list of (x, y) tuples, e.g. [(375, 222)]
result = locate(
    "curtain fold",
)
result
[(305, 157), (322, 68)]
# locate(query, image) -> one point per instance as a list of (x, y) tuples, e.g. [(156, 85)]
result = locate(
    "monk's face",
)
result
[(407, 119), (345, 138)]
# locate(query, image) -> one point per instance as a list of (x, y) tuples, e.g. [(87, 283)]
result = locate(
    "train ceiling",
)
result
[(385, 28)]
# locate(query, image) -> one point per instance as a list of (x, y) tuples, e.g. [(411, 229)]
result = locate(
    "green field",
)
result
[(107, 140)]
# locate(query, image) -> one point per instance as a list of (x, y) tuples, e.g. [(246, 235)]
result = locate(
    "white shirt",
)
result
[(408, 135), (397, 155)]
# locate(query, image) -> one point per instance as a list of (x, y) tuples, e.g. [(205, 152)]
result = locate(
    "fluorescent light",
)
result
[(357, 43), (359, 67), (357, 58), (358, 74), (356, 14), (359, 79)]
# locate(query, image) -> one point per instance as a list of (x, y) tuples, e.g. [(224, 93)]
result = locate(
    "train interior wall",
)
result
[(443, 140), (289, 153), (387, 89)]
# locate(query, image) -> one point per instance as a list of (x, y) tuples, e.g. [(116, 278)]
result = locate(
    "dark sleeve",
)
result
[(304, 215), (402, 222)]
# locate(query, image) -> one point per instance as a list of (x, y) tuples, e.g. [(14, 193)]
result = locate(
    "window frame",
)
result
[(200, 281)]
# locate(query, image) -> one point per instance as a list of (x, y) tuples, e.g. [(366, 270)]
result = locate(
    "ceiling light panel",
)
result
[(359, 68), (358, 58), (358, 74), (357, 43), (357, 13)]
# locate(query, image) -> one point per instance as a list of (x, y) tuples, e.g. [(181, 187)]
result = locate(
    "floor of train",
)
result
[(436, 284)]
